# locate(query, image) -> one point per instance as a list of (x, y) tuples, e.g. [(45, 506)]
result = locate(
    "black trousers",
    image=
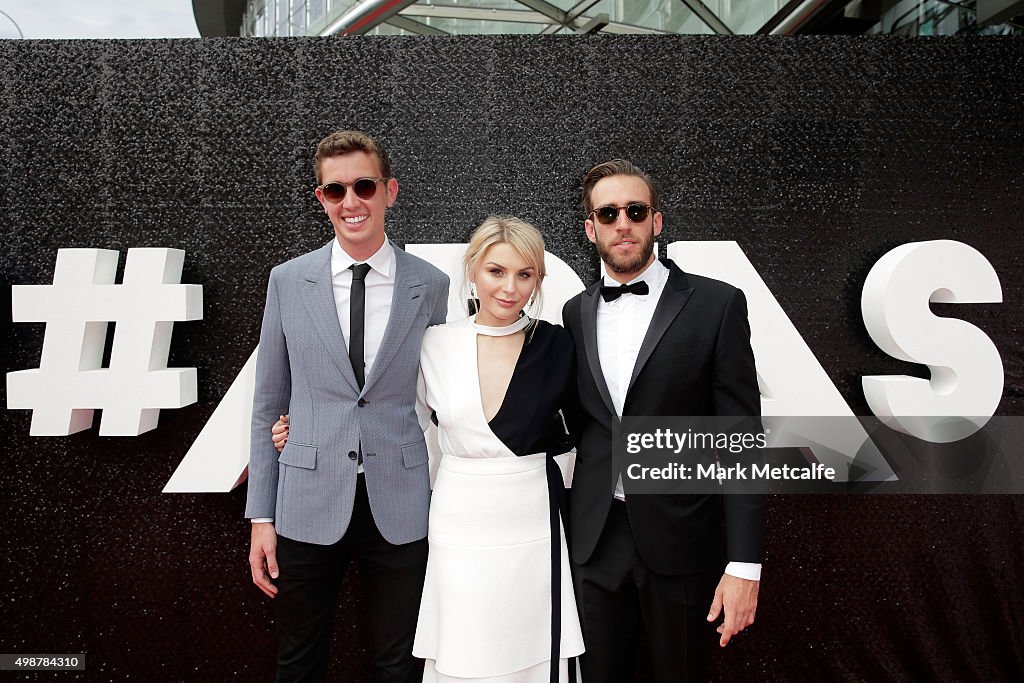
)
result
[(307, 598), (618, 593)]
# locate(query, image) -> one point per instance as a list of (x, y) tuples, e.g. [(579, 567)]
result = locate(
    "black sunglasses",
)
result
[(636, 213), (365, 188)]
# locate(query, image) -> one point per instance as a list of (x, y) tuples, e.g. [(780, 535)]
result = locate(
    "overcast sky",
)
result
[(99, 19)]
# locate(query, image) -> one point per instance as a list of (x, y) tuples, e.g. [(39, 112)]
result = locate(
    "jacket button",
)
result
[(362, 402), (352, 455)]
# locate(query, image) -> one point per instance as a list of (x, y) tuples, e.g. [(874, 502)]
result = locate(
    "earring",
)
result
[(472, 291)]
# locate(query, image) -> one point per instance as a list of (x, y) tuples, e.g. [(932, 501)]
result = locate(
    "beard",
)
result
[(622, 264)]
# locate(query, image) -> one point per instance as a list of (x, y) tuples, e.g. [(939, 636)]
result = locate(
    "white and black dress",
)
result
[(498, 602)]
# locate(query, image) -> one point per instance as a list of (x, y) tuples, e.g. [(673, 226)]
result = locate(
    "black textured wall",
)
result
[(816, 155)]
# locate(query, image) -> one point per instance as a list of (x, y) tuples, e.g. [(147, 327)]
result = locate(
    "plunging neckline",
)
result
[(479, 387)]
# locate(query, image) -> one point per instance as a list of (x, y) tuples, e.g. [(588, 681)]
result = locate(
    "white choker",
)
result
[(503, 331)]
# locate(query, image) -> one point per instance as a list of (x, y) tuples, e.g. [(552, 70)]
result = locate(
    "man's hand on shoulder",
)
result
[(263, 557), (738, 599)]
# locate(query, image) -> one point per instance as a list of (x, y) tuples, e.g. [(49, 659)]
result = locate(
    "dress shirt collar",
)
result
[(382, 260), (654, 274)]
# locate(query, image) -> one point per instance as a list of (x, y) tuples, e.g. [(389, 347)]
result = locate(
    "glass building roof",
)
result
[(461, 17)]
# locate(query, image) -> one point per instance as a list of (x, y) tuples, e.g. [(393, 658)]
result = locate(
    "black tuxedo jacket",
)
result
[(695, 360)]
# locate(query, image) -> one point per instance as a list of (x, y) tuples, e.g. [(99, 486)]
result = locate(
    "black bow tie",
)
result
[(613, 293)]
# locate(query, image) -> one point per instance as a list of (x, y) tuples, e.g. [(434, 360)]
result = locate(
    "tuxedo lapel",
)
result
[(406, 302), (588, 312), (674, 296), (318, 298)]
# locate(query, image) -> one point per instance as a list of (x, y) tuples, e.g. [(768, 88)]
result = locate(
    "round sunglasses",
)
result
[(635, 212), (365, 188)]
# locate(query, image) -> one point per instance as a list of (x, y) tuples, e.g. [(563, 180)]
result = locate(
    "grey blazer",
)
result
[(303, 369)]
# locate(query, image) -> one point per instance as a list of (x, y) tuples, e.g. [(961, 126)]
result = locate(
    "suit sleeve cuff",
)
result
[(258, 520), (741, 570)]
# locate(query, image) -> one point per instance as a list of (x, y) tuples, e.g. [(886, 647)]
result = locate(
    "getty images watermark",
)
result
[(744, 455)]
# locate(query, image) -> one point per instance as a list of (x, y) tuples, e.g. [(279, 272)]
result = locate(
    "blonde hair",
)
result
[(517, 233)]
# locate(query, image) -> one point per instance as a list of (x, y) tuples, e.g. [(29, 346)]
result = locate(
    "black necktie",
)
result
[(613, 293), (357, 315)]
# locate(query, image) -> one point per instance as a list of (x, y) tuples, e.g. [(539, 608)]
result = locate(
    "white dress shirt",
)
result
[(621, 327), (380, 290)]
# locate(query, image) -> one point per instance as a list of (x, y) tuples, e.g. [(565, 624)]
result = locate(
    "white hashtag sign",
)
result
[(70, 381)]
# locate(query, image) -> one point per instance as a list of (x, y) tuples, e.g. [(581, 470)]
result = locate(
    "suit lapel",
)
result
[(318, 298), (406, 302), (674, 296), (588, 311)]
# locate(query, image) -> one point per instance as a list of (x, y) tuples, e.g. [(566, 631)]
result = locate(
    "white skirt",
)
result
[(486, 611)]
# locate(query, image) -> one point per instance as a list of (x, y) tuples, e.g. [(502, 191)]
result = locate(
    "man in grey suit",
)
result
[(339, 351)]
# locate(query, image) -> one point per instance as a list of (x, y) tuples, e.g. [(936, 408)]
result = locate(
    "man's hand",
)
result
[(263, 557), (279, 433), (738, 597)]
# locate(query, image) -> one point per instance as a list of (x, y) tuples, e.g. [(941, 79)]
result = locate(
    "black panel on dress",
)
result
[(528, 421)]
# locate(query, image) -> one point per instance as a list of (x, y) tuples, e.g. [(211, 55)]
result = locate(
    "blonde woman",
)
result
[(498, 602)]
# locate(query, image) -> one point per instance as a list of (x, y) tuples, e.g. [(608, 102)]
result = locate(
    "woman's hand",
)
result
[(279, 433)]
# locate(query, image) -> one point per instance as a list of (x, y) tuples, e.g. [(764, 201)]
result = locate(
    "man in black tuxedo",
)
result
[(653, 340)]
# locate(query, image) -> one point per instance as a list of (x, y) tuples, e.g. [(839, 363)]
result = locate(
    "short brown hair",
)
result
[(615, 167), (348, 141)]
